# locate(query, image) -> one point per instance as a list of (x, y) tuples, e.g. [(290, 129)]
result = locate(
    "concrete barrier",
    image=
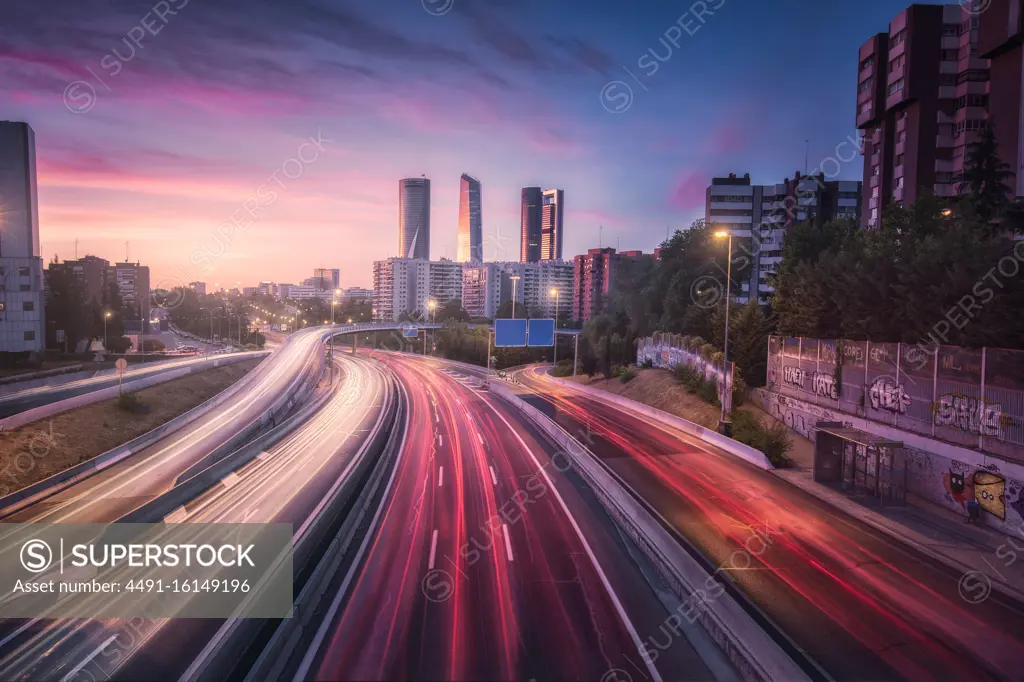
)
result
[(748, 646), (733, 447), (43, 411)]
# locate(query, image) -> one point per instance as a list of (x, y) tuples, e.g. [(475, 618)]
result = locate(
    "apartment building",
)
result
[(1001, 41), (758, 217), (133, 284), (922, 97), (593, 279), (486, 287), (407, 285), (89, 273)]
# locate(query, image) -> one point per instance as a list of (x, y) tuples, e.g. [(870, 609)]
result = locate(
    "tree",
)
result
[(65, 307), (985, 178), (452, 310)]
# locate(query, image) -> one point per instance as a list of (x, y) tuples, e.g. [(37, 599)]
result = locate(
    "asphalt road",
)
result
[(862, 605), (488, 562), (286, 484)]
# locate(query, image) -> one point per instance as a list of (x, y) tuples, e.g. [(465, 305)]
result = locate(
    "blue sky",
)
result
[(161, 128)]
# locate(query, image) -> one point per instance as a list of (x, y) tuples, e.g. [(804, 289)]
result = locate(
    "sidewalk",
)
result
[(988, 559)]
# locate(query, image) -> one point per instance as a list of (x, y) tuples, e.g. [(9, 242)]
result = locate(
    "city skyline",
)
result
[(105, 178)]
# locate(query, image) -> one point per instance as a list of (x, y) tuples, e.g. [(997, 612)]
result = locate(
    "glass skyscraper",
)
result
[(471, 232), (414, 218)]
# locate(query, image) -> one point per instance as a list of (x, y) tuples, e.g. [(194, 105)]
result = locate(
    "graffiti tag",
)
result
[(824, 385), (888, 395), (794, 375), (969, 414)]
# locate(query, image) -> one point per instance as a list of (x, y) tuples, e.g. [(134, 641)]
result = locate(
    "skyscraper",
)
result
[(21, 268), (529, 249), (552, 211), (414, 218), (471, 231)]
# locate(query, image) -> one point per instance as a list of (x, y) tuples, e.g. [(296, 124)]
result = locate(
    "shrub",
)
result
[(153, 345), (648, 364), (739, 390), (627, 375), (119, 344), (772, 441), (129, 402), (562, 369), (617, 371)]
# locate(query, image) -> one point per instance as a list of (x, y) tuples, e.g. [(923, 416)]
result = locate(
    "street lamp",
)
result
[(724, 234), (515, 281), (432, 305), (106, 316), (555, 292)]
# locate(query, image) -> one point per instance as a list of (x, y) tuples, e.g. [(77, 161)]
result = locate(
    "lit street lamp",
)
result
[(723, 234), (432, 305), (555, 292), (515, 282), (106, 316)]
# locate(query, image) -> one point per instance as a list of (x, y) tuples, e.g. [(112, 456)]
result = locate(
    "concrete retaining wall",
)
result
[(934, 468)]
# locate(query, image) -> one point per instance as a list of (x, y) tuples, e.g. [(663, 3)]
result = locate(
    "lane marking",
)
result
[(481, 438), (74, 671), (440, 477), (433, 551), (494, 479), (263, 455), (508, 542), (230, 480), (440, 440), (655, 675)]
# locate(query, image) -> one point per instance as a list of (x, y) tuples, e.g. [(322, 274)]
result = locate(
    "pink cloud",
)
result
[(726, 138), (690, 191)]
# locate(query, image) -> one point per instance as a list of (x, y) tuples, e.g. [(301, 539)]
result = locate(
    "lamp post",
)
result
[(555, 292), (723, 427), (515, 282), (210, 310), (106, 316), (432, 306)]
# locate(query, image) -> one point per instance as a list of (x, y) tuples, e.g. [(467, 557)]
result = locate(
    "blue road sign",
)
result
[(509, 333), (410, 332), (541, 333)]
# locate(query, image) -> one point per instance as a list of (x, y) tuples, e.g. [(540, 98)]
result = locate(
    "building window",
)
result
[(24, 272), (896, 87), (865, 108), (874, 171), (899, 159), (899, 182), (896, 63), (30, 336), (949, 55), (28, 305), (950, 29), (898, 39), (947, 79), (943, 178), (867, 63), (972, 76), (25, 287), (865, 86)]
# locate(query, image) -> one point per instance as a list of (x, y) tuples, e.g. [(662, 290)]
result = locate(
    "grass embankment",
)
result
[(666, 391), (41, 449)]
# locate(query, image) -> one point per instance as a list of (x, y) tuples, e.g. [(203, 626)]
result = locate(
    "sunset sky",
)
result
[(160, 141)]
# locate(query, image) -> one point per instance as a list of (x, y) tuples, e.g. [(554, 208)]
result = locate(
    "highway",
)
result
[(61, 388), (488, 563), (286, 484), (861, 605), (135, 480)]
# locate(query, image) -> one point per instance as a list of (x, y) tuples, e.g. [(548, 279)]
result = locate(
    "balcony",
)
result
[(898, 171), (944, 165), (945, 190), (897, 194), (943, 141)]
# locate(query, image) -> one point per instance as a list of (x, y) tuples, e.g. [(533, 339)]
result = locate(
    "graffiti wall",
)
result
[(969, 397), (941, 473), (668, 350)]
